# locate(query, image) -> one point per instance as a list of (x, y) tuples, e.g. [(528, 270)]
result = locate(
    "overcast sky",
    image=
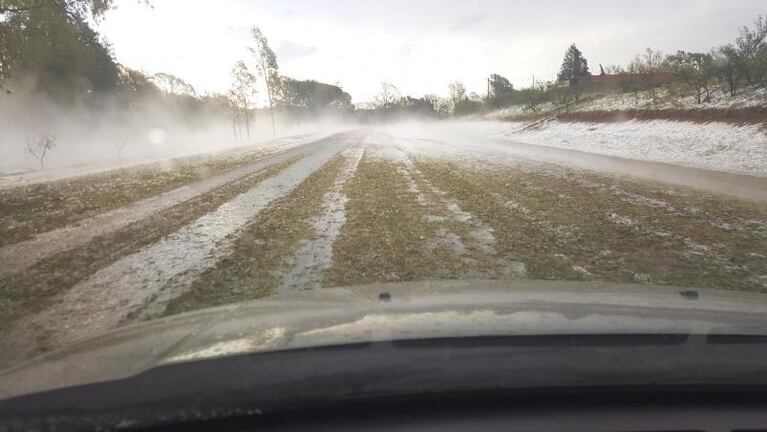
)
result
[(418, 45)]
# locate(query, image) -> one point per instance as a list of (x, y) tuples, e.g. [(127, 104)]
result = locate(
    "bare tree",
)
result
[(230, 105), (614, 70), (119, 141), (266, 62), (39, 146), (648, 65), (387, 97), (441, 105), (243, 91), (457, 92)]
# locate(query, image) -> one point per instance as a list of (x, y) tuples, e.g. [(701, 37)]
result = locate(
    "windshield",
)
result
[(166, 157)]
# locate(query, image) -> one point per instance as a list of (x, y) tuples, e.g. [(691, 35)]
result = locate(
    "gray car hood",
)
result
[(382, 312)]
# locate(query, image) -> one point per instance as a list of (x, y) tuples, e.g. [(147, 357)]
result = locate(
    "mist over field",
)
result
[(105, 133)]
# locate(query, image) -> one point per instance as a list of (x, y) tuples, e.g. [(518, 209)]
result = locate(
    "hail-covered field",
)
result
[(83, 256)]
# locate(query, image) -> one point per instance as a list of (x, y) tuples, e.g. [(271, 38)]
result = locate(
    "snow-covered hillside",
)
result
[(715, 146), (658, 99)]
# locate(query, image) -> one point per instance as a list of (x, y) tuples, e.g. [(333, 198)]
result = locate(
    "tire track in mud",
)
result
[(20, 256), (112, 294), (314, 256), (480, 236)]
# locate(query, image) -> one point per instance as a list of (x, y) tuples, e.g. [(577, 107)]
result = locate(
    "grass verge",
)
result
[(30, 291), (617, 230), (387, 236), (28, 210)]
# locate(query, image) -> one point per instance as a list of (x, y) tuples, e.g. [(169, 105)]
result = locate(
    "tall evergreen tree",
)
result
[(574, 65)]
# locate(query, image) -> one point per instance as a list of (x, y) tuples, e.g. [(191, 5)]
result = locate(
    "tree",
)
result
[(726, 64), (562, 95), (614, 69), (387, 97), (694, 69), (119, 141), (752, 52), (172, 85), (227, 103), (574, 70), (133, 85), (266, 63), (417, 107), (500, 90), (648, 65), (315, 97), (243, 91), (441, 106), (52, 41), (530, 97), (499, 86), (468, 105), (457, 93), (39, 146), (81, 7), (575, 67), (11, 39), (647, 62)]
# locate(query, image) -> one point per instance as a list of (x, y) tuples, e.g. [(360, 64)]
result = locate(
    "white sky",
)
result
[(418, 45)]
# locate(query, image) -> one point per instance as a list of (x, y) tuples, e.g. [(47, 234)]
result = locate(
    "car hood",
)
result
[(383, 312)]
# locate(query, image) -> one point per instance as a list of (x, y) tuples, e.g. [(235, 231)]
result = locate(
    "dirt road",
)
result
[(376, 206)]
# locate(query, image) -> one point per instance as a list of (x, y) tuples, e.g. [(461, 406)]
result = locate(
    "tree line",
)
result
[(729, 68), (296, 100), (50, 53)]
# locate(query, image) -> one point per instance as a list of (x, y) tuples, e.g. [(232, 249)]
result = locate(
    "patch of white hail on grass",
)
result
[(695, 248), (620, 220), (315, 255), (513, 205), (112, 294), (448, 240), (387, 147), (642, 200), (582, 271)]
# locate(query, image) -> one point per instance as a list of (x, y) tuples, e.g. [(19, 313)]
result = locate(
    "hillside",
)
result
[(726, 134), (748, 106)]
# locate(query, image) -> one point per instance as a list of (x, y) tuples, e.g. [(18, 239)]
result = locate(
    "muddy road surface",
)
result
[(378, 205)]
